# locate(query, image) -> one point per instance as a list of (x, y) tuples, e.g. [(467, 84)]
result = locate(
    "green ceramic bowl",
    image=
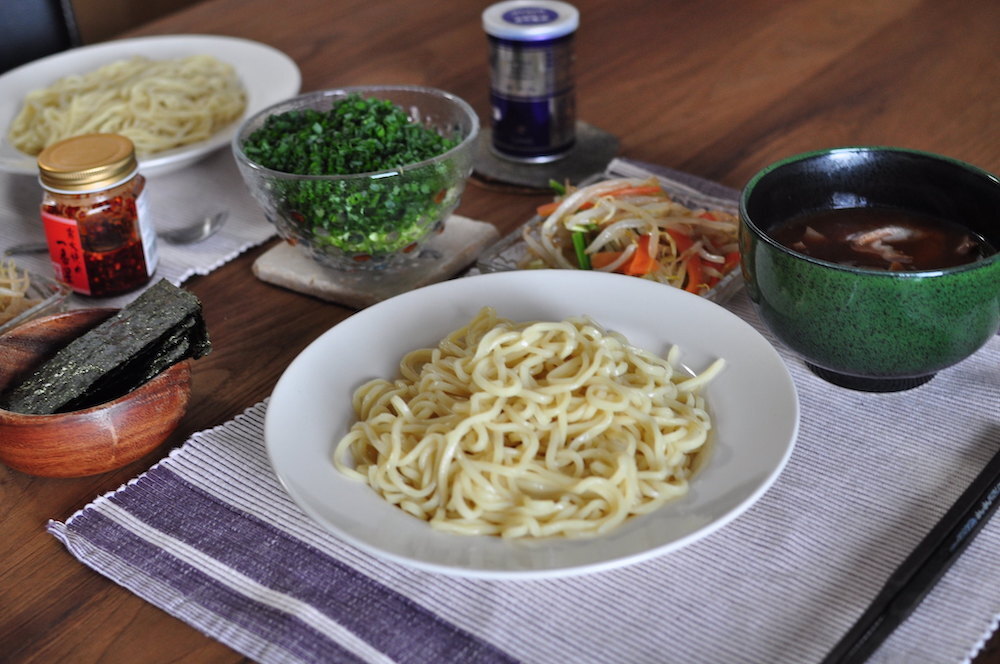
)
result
[(863, 328)]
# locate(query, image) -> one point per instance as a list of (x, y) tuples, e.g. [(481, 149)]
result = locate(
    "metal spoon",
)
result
[(198, 231)]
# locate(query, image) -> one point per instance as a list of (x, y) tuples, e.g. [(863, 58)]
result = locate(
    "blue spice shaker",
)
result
[(532, 88)]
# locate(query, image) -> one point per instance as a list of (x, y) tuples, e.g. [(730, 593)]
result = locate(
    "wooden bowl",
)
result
[(90, 441)]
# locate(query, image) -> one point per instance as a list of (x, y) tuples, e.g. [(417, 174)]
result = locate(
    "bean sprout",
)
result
[(633, 226)]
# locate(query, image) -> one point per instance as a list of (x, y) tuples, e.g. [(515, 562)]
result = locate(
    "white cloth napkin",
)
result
[(175, 199)]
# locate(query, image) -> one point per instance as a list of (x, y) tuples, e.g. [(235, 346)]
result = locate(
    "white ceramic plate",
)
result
[(268, 75), (753, 401)]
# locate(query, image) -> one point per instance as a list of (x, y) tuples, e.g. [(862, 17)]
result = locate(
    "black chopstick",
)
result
[(914, 578)]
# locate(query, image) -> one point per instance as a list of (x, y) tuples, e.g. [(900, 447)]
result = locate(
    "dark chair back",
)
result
[(32, 29)]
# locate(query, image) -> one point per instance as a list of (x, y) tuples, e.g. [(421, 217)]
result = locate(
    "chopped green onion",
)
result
[(355, 135), (580, 245)]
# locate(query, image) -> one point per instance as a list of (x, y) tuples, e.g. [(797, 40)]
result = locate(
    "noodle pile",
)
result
[(530, 429), (158, 104)]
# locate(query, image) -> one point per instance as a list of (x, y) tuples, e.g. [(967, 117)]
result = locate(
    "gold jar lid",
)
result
[(90, 162)]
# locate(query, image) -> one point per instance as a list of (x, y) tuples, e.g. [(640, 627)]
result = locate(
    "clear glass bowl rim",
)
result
[(368, 91)]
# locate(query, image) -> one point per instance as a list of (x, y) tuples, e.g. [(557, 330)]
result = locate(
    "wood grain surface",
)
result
[(712, 87)]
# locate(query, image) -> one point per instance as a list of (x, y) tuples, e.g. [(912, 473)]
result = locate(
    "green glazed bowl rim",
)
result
[(897, 274)]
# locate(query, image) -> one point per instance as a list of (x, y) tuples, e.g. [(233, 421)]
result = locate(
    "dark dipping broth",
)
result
[(882, 238)]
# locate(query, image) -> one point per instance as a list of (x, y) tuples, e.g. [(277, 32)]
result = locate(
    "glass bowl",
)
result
[(372, 220), (44, 296)]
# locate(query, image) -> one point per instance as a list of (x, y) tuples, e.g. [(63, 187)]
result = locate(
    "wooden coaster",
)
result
[(441, 258)]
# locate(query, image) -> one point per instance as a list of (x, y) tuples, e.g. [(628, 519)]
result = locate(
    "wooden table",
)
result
[(715, 88)]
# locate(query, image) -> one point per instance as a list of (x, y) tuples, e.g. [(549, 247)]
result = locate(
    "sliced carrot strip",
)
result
[(682, 240), (695, 279), (546, 209), (642, 190), (732, 260), (642, 261), (602, 259)]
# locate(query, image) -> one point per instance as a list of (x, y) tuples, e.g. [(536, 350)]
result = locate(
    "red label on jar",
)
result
[(66, 251)]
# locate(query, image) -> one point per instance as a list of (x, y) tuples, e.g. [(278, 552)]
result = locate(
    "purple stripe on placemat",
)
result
[(269, 624), (387, 620)]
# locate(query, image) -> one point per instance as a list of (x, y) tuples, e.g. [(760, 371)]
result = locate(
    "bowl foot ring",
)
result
[(864, 384)]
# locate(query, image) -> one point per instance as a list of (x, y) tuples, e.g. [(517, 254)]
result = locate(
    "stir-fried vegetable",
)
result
[(634, 227)]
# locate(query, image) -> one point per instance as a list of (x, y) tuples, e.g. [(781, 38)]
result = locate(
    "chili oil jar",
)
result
[(100, 236), (532, 88)]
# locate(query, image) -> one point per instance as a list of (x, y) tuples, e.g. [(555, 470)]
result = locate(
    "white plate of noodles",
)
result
[(476, 464), (181, 115)]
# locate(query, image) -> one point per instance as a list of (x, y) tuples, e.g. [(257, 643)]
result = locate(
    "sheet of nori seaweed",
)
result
[(187, 339), (139, 369), (160, 327)]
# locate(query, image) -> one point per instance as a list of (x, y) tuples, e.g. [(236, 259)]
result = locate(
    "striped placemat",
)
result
[(210, 536)]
